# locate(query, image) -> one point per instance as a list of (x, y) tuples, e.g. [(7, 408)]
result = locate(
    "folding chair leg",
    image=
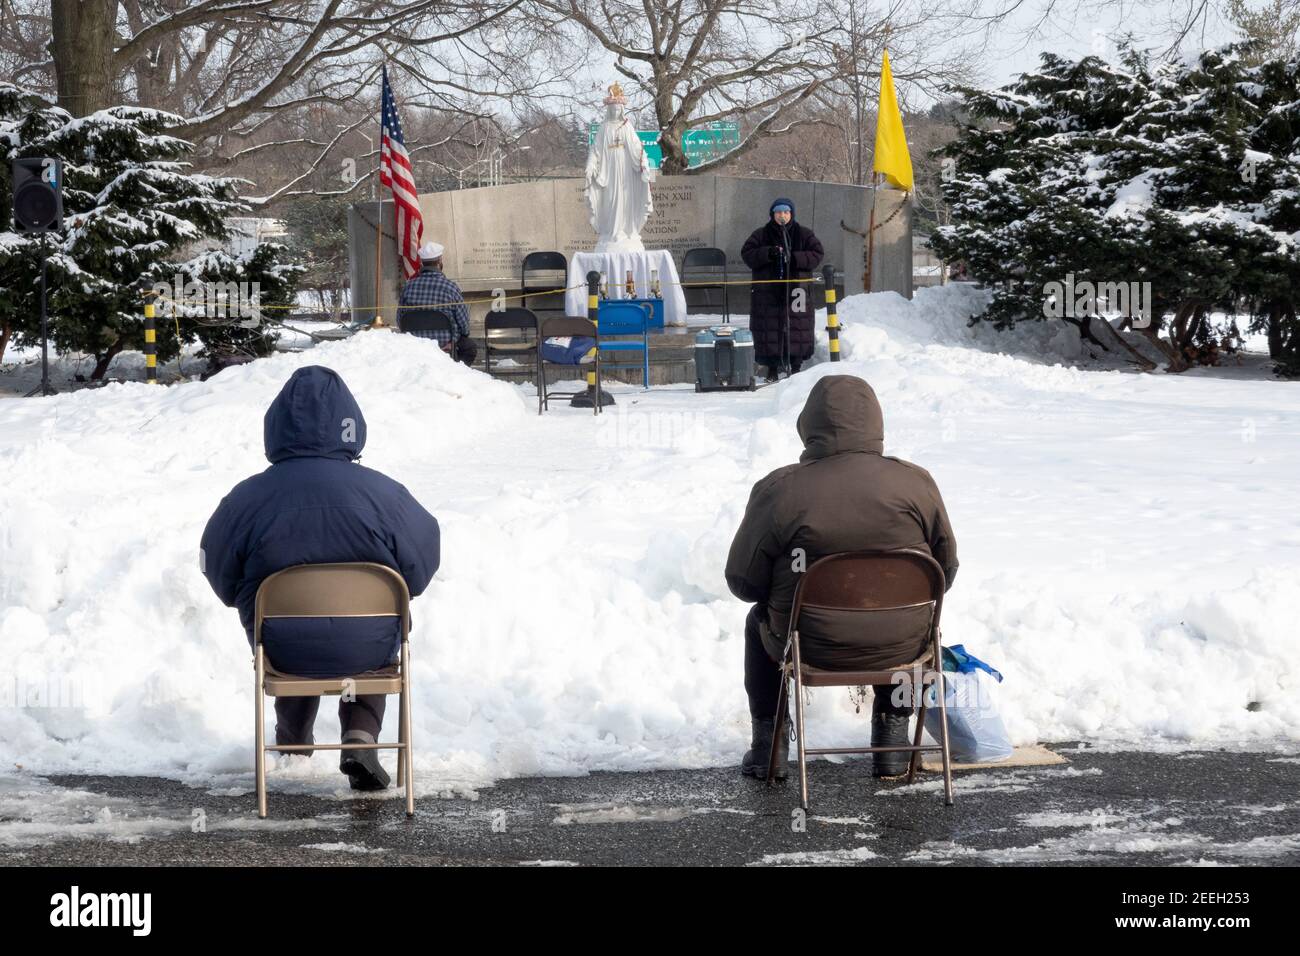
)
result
[(943, 732), (406, 730), (778, 724), (915, 764), (259, 735), (799, 724), (401, 739)]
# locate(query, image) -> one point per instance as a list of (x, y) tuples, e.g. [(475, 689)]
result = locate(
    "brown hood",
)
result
[(842, 414)]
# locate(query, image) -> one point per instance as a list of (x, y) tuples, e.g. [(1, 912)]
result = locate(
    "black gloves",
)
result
[(773, 253)]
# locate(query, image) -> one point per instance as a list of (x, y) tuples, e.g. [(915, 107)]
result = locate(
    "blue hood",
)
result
[(314, 416)]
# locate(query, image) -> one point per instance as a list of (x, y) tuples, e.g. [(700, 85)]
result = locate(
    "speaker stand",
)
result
[(45, 388)]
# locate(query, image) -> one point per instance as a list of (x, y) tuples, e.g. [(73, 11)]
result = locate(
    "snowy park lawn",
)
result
[(1129, 545)]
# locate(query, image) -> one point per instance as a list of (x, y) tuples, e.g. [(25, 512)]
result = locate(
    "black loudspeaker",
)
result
[(38, 195)]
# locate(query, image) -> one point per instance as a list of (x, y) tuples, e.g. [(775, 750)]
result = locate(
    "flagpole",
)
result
[(871, 234), (379, 210)]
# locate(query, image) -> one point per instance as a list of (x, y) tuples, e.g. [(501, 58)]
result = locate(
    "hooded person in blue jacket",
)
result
[(316, 505)]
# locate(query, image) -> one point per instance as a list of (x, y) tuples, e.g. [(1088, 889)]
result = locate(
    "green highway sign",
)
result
[(700, 145)]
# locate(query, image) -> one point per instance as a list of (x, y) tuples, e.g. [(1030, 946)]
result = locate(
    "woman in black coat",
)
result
[(782, 249)]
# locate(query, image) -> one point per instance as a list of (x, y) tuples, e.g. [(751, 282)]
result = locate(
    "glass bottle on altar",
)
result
[(655, 291), (629, 285), (604, 286)]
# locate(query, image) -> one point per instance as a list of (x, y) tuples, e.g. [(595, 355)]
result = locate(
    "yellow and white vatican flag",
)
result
[(892, 158)]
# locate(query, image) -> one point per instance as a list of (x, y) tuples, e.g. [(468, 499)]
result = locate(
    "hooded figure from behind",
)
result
[(844, 494), (782, 251), (316, 505)]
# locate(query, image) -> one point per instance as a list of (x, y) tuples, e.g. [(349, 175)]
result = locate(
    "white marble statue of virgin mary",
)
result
[(618, 180)]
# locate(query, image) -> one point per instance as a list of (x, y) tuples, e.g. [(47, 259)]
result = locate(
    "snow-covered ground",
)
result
[(1130, 550)]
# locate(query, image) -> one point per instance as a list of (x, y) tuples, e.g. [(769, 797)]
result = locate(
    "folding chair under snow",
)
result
[(334, 590), (898, 594)]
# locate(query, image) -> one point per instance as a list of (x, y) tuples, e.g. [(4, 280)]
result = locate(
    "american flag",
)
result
[(395, 173)]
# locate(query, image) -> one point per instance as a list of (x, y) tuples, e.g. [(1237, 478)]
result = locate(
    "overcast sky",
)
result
[(1092, 30)]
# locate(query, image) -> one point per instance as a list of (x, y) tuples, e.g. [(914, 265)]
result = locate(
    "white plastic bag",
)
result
[(975, 731)]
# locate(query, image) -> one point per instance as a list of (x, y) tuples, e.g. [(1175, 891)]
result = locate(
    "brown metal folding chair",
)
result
[(334, 590), (871, 592), (561, 326)]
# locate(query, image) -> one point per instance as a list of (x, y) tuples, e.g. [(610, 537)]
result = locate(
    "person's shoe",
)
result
[(756, 757), (890, 730), (362, 766), (794, 367), (770, 377)]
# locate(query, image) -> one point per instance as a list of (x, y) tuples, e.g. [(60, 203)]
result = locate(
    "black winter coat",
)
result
[(770, 303)]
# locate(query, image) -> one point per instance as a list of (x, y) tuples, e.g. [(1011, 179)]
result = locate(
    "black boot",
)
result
[(760, 748), (890, 730), (362, 766)]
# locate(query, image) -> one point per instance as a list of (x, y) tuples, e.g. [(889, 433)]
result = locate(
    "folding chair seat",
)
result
[(330, 591), (889, 602)]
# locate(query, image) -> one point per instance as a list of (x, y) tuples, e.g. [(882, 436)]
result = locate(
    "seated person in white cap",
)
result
[(430, 288)]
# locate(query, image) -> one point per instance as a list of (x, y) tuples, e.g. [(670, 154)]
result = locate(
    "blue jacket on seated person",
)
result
[(316, 505)]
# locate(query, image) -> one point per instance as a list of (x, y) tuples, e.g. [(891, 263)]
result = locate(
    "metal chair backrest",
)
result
[(510, 319), (705, 260), (902, 588), (423, 321), (625, 318), (547, 299), (704, 257), (353, 589), (567, 325)]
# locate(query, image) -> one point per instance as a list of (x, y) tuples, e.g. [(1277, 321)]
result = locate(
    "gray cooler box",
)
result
[(724, 359)]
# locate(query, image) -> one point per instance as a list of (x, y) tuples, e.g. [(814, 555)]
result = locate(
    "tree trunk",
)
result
[(1084, 325), (84, 32), (1179, 335), (103, 360), (1108, 330), (674, 156), (1275, 330), (6, 330)]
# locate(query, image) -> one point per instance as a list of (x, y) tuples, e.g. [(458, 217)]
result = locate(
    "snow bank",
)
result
[(1129, 544)]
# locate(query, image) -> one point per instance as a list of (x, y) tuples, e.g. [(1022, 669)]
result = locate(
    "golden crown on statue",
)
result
[(616, 95)]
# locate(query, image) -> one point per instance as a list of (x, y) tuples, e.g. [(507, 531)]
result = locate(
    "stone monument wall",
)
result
[(487, 231)]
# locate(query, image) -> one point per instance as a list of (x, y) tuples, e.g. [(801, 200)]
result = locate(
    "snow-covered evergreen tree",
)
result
[(1183, 176), (130, 206)]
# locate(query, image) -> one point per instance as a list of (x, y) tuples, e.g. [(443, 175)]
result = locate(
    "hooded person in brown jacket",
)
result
[(844, 494)]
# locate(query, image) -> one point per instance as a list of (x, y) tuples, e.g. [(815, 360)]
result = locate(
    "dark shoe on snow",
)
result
[(770, 377), (890, 730), (756, 757), (362, 766)]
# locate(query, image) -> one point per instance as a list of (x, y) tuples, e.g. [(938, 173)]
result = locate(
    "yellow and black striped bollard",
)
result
[(832, 320), (593, 397), (150, 340)]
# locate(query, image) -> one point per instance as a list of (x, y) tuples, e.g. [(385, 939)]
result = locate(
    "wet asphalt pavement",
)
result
[(1098, 809)]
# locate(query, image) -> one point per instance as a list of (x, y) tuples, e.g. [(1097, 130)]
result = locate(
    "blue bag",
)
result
[(956, 658), (975, 731), (566, 349)]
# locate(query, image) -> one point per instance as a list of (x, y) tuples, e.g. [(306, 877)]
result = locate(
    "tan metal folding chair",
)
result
[(894, 593), (334, 590)]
